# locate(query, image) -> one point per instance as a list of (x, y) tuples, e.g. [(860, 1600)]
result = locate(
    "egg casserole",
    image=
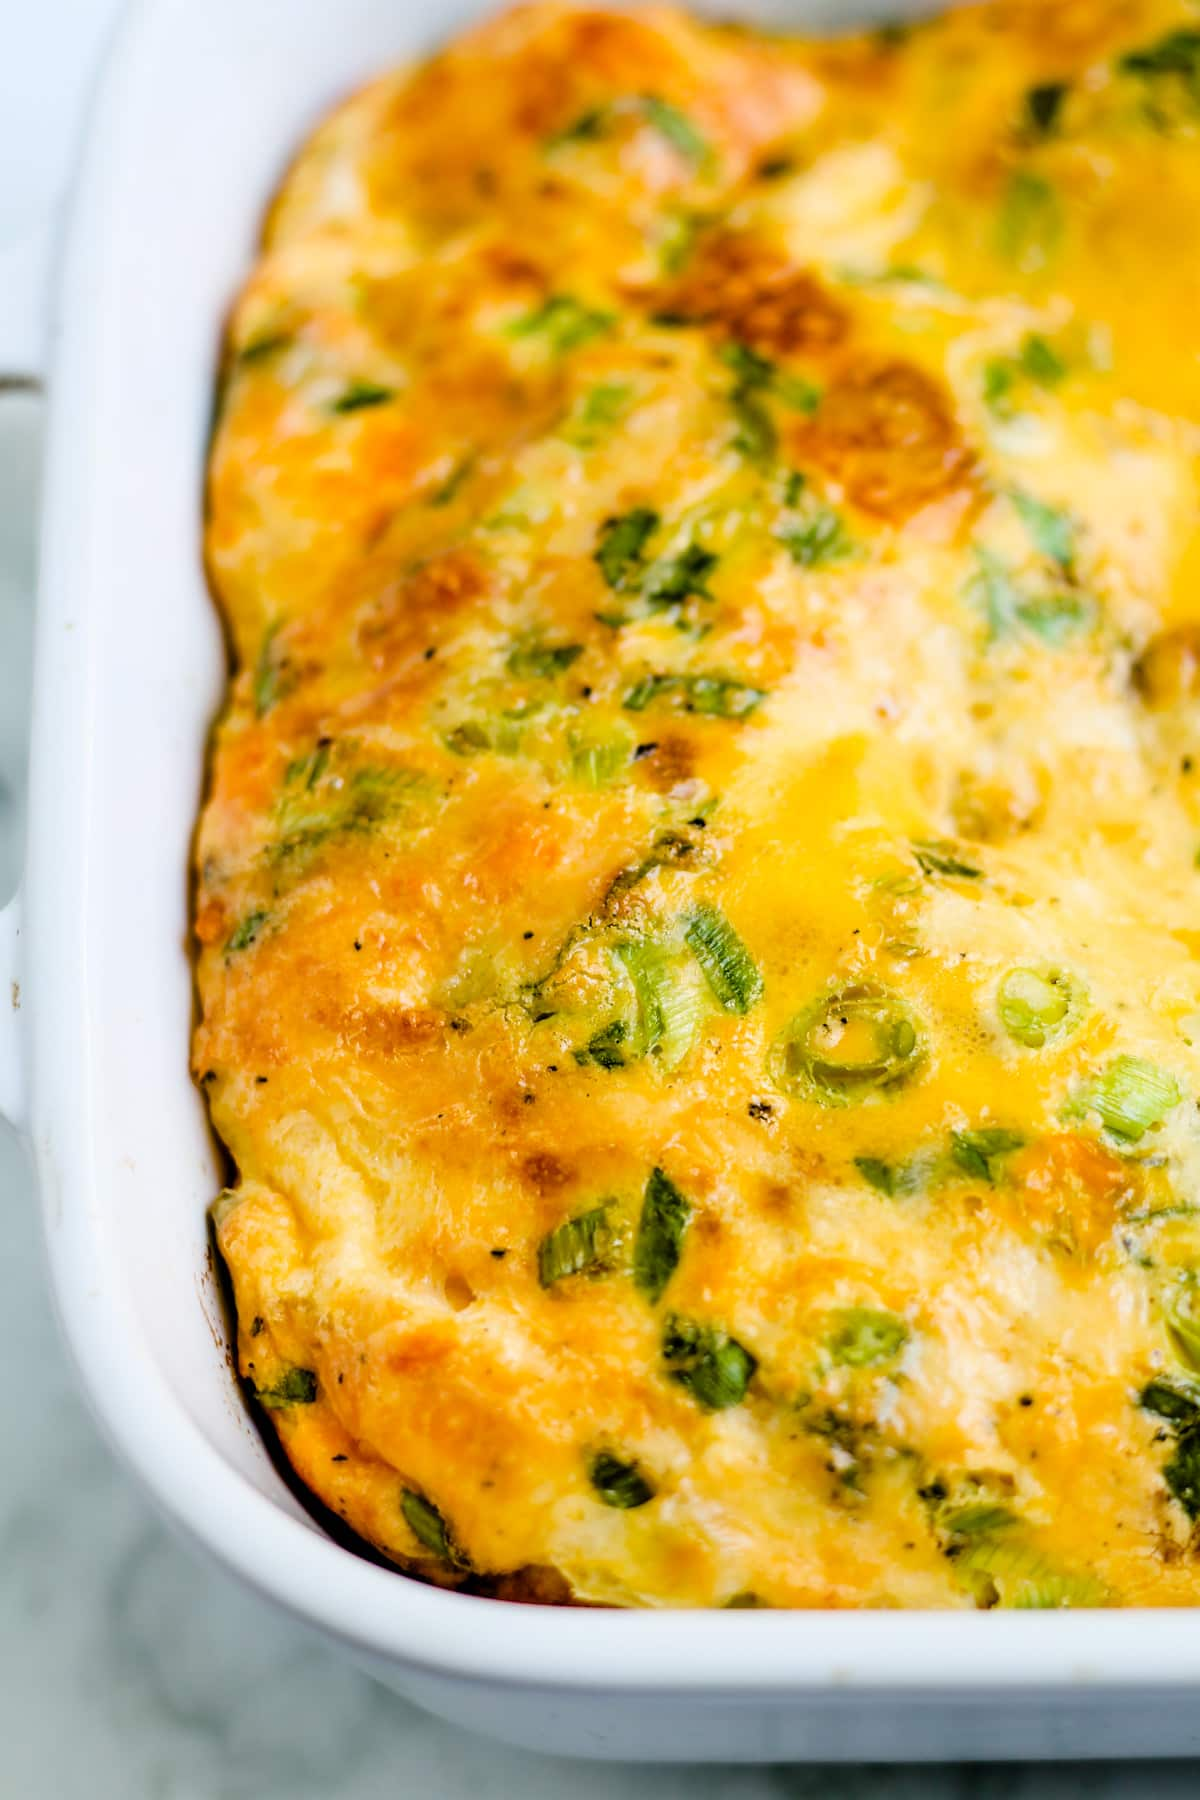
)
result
[(698, 899)]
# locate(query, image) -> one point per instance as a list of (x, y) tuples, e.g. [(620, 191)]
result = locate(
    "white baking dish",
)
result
[(200, 107)]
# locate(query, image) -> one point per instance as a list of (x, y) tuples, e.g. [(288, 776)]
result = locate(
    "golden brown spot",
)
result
[(424, 1347), (390, 1031), (757, 297), (775, 1198), (886, 431), (545, 1172), (672, 760), (403, 623)]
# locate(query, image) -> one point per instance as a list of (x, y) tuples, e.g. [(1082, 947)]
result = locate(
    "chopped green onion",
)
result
[(756, 438), (602, 408), (1183, 1329), (1176, 1401), (295, 1387), (676, 578), (248, 929), (1179, 1404), (1043, 106), (579, 1246), (979, 1519), (621, 546), (847, 1046), (563, 323), (935, 857), (887, 1178), (1030, 221), (728, 966), (597, 761), (659, 1242), (1041, 361), (1182, 1474), (607, 1048), (819, 542), (796, 392), (864, 1338), (360, 395), (269, 685), (1051, 530), (619, 1483), (714, 1368), (712, 696), (979, 1153), (307, 770), (1177, 53), (541, 662), (1055, 617), (259, 349), (999, 379), (586, 128), (670, 123), (451, 487), (753, 370), (669, 1004), (994, 586), (1020, 1576), (1130, 1096), (676, 128), (1037, 1005), (430, 1528), (469, 738)]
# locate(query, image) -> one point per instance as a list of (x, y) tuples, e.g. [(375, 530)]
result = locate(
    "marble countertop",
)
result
[(131, 1672)]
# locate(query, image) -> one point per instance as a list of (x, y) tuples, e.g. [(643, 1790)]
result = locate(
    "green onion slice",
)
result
[(430, 1528), (728, 966), (865, 1338), (659, 1242), (714, 1368), (1038, 1005), (978, 1153), (619, 1483), (1130, 1095), (848, 1045), (579, 1246), (1183, 1329), (295, 1387)]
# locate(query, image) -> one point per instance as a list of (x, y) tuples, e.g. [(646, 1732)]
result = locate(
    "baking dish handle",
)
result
[(23, 339)]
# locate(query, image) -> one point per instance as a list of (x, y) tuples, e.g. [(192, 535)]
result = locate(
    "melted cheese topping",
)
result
[(699, 955)]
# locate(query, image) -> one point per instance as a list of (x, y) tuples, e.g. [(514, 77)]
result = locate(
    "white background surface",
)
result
[(127, 1671)]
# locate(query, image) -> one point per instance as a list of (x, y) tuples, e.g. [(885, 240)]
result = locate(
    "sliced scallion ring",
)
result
[(848, 1045), (1038, 1005)]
